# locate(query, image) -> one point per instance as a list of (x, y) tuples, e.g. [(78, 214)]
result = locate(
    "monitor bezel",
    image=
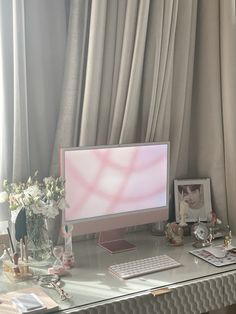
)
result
[(116, 221)]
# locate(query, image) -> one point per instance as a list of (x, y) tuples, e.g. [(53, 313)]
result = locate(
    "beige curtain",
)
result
[(213, 152), (124, 84), (32, 41), (206, 140), (213, 149), (155, 70)]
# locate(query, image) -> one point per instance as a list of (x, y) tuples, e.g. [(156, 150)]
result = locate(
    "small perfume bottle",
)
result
[(57, 268), (58, 253), (68, 256)]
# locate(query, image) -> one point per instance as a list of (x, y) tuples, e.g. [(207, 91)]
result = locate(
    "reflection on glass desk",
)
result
[(93, 286)]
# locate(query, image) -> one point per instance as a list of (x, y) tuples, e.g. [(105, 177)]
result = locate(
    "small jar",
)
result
[(68, 260)]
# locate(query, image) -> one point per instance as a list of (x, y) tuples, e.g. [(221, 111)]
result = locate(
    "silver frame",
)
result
[(205, 182)]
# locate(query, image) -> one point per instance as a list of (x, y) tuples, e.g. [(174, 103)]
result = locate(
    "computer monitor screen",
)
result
[(117, 186)]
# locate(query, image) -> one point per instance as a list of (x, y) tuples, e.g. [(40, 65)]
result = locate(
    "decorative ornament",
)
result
[(174, 234)]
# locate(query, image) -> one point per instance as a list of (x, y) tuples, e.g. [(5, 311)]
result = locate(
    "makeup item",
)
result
[(21, 250), (67, 233), (7, 252), (58, 253), (68, 260), (15, 263), (10, 240), (26, 248)]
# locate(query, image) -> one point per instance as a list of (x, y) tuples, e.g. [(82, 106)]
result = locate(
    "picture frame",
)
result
[(196, 195)]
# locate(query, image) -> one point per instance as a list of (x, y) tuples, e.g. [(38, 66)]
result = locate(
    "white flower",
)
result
[(48, 180), (50, 211), (45, 198), (33, 191), (62, 204), (3, 197), (17, 198), (27, 200)]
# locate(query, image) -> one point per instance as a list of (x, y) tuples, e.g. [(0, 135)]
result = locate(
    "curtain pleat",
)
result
[(93, 78), (21, 160), (128, 42), (181, 93), (130, 128), (109, 74), (165, 14), (72, 93)]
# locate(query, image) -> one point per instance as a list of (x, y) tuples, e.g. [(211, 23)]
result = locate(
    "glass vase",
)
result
[(39, 243)]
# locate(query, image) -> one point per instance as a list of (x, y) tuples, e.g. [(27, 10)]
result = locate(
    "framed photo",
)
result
[(193, 196)]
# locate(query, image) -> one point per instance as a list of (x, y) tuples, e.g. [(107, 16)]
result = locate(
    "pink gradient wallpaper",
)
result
[(114, 180)]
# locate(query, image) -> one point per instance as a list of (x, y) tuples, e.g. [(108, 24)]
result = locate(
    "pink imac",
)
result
[(109, 188)]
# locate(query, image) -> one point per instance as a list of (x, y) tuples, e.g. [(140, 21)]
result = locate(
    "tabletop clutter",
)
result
[(18, 265), (16, 261)]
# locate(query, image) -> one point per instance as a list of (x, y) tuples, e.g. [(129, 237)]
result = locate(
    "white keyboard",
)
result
[(143, 266)]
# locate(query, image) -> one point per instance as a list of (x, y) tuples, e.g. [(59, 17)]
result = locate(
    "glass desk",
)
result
[(194, 287)]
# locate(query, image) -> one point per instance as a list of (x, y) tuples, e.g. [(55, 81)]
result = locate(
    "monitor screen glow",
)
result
[(114, 181)]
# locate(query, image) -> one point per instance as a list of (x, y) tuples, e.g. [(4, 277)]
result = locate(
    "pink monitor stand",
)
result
[(113, 241)]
